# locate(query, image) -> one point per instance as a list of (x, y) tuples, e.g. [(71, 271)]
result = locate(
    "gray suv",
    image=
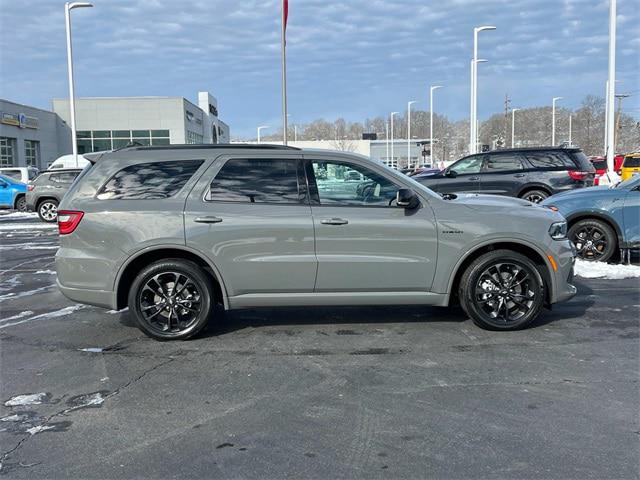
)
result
[(46, 191), (170, 231)]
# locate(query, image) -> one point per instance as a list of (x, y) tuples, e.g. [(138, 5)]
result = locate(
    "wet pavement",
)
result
[(348, 392)]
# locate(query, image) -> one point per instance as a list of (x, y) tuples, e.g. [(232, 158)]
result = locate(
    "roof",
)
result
[(210, 146), (530, 149)]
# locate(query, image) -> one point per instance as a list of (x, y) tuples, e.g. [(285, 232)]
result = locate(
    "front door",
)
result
[(631, 215), (5, 194), (251, 217), (364, 241), (462, 177)]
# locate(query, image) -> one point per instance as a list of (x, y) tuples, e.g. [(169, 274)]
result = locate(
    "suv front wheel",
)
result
[(171, 299), (502, 290)]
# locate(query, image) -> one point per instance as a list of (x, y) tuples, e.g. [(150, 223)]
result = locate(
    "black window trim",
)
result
[(144, 162), (315, 194), (303, 186)]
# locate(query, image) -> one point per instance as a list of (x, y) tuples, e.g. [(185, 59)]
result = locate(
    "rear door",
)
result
[(502, 174), (251, 216), (631, 215), (364, 242)]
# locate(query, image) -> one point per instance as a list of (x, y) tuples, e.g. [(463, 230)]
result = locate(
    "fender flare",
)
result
[(184, 248)]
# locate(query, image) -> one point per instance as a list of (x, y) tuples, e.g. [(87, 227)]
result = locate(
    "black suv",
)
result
[(530, 173)]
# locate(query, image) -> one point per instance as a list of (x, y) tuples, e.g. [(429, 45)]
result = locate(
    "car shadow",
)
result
[(574, 308)]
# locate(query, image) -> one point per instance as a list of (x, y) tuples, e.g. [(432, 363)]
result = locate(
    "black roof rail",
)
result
[(212, 146)]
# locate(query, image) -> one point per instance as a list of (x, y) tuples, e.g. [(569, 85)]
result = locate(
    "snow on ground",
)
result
[(605, 270), (26, 226), (19, 215), (26, 399)]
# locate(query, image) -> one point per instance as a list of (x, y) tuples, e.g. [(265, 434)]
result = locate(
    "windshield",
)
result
[(629, 183)]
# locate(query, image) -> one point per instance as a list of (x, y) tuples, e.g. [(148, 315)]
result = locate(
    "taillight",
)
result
[(30, 188), (578, 175), (68, 220)]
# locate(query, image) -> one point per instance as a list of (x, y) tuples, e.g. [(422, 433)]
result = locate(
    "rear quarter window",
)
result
[(550, 160), (633, 162), (148, 181)]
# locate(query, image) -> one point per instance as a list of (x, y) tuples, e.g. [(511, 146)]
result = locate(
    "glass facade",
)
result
[(7, 152), (194, 138), (98, 140), (31, 152)]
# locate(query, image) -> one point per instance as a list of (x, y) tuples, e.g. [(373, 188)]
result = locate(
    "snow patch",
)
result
[(27, 226), (46, 272), (29, 247), (43, 316), (24, 215), (92, 349), (26, 313), (26, 399), (39, 428), (606, 271)]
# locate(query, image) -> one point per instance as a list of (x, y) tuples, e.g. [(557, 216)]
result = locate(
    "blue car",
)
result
[(12, 194), (602, 219)]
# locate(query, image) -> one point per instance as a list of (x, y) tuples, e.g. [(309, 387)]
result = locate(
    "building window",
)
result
[(7, 152), (32, 152), (98, 140), (194, 138)]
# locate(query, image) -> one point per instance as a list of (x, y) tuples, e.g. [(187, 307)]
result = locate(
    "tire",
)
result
[(594, 240), (522, 291), (170, 315), (535, 196), (48, 210), (21, 204)]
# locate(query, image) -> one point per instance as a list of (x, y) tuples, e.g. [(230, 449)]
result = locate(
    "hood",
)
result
[(480, 201), (581, 193)]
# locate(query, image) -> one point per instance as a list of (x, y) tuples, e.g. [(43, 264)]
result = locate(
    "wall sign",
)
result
[(19, 120)]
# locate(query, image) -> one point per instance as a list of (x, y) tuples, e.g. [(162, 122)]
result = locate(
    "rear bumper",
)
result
[(98, 298)]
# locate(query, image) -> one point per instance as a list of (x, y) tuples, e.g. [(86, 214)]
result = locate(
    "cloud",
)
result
[(361, 57)]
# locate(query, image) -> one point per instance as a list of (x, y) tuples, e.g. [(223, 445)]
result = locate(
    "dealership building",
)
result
[(105, 123), (31, 136)]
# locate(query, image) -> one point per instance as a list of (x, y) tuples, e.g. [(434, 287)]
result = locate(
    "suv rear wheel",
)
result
[(21, 204), (502, 290), (171, 299), (48, 210), (534, 196)]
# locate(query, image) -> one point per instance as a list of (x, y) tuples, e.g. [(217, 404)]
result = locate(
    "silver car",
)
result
[(170, 231)]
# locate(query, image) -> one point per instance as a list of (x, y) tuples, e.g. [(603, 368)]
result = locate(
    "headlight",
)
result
[(558, 230)]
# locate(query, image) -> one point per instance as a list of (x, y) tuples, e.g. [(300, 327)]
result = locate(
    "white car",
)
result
[(21, 174), (69, 161)]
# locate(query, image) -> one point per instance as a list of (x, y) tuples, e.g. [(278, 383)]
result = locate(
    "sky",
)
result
[(352, 59)]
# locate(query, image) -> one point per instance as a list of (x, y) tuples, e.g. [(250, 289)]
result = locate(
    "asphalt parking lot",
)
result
[(312, 393)]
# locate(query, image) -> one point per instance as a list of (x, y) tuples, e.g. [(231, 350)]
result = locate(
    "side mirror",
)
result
[(451, 173), (407, 198)]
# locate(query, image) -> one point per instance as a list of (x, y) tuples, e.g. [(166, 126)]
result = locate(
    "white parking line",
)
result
[(57, 313)]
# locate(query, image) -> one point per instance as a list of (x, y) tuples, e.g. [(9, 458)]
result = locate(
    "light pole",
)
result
[(386, 136), (72, 101), (473, 136), (409, 132), (434, 87), (611, 92), (570, 132), (513, 126), (261, 128), (392, 114), (553, 121)]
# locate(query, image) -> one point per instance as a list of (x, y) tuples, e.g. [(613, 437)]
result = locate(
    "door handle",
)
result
[(519, 175), (473, 179), (334, 221), (208, 219)]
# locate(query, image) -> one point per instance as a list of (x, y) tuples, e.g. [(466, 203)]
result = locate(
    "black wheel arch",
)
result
[(535, 256), (39, 201), (18, 197), (135, 263), (591, 215), (534, 186)]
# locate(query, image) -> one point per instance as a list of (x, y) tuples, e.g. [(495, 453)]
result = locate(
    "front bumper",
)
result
[(564, 254)]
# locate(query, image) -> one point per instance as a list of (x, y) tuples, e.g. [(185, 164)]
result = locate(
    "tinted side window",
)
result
[(550, 160), (467, 166), (256, 180), (146, 181), (344, 184), (15, 174), (502, 163), (64, 177)]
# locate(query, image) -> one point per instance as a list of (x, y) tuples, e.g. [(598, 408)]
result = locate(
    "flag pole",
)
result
[(283, 45)]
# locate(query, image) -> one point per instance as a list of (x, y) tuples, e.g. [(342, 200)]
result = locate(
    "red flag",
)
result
[(285, 13)]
